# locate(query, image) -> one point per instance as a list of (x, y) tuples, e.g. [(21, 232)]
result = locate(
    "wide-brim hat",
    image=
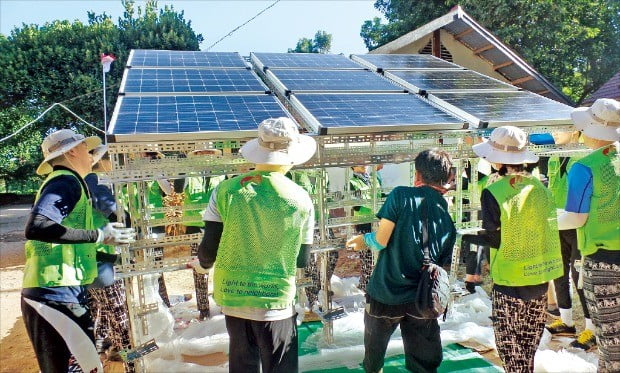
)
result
[(60, 142), (279, 143), (506, 145), (98, 153), (601, 121)]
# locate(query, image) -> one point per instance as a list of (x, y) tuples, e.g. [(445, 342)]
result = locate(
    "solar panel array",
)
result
[(334, 94), (166, 92), (471, 95)]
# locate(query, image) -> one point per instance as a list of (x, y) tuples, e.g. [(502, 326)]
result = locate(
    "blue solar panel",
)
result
[(333, 80), (433, 80), (401, 112), (508, 106), (184, 114), (191, 81), (162, 58), (404, 61), (305, 60)]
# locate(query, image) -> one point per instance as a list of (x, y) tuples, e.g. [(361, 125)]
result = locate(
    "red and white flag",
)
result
[(106, 61)]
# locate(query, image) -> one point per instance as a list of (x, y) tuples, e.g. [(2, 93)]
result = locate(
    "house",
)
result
[(611, 89), (458, 38)]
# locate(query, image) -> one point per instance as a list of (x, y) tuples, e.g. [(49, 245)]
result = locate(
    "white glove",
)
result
[(195, 264), (116, 234)]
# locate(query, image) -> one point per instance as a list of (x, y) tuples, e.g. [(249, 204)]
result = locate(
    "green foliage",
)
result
[(573, 43), (60, 62), (321, 43)]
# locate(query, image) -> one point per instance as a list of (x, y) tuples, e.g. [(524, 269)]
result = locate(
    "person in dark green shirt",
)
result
[(392, 286)]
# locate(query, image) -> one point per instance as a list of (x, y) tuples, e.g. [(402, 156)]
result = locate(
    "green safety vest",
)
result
[(197, 193), (155, 198), (558, 184), (602, 229), (359, 185), (529, 252), (263, 213), (50, 264)]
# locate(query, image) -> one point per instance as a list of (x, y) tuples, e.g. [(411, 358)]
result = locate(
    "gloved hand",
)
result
[(116, 234), (195, 264)]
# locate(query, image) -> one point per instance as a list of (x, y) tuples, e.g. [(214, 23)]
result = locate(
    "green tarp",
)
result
[(455, 358)]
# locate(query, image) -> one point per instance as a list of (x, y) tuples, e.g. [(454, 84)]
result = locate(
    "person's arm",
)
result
[(57, 200), (207, 250), (41, 228), (307, 232), (304, 255), (491, 224), (578, 199)]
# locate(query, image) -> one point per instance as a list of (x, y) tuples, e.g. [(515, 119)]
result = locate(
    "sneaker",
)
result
[(559, 328), (554, 312), (585, 341)]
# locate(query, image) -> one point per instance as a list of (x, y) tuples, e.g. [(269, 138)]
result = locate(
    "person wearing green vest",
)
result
[(392, 287), (557, 176), (61, 257), (520, 225), (259, 227), (107, 297), (197, 192), (593, 208), (362, 183)]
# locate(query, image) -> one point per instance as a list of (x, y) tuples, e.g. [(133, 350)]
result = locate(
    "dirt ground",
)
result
[(16, 354)]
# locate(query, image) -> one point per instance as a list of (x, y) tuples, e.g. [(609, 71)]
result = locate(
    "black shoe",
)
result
[(585, 341)]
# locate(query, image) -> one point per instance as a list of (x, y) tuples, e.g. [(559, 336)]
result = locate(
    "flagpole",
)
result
[(105, 111)]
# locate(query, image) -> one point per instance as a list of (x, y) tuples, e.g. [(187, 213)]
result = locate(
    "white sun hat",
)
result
[(506, 145), (601, 121), (279, 143), (98, 153), (60, 142)]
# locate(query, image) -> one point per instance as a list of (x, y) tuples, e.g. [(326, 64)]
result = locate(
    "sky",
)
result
[(276, 30)]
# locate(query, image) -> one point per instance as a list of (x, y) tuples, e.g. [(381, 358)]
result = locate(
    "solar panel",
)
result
[(187, 114), (332, 80), (190, 81), (403, 61), (351, 113), (161, 58), (303, 60), (518, 106), (447, 80)]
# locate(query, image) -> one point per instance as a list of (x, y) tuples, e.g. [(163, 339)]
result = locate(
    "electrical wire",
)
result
[(243, 24)]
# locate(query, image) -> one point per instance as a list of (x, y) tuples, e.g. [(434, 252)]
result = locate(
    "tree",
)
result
[(574, 43), (321, 43), (60, 62)]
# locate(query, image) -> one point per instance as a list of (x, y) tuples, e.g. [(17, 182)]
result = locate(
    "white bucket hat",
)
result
[(60, 142), (279, 143), (601, 121), (506, 145), (98, 153)]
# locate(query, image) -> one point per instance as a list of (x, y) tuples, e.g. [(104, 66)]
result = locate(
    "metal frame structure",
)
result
[(132, 173)]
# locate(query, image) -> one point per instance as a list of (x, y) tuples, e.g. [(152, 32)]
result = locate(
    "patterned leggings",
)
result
[(109, 310), (313, 270), (201, 285), (367, 266), (601, 285), (518, 327)]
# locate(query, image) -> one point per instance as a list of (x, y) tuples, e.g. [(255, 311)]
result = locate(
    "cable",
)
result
[(245, 23), (45, 112)]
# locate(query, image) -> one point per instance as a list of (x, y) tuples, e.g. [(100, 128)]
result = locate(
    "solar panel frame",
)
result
[(345, 81), (305, 61), (190, 82), (526, 108), (185, 59), (191, 117), (382, 112), (439, 80), (381, 62)]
